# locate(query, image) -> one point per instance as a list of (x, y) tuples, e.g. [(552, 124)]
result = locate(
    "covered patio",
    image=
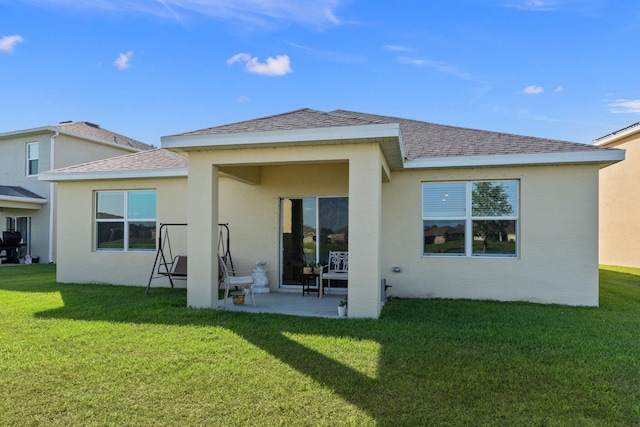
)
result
[(258, 170)]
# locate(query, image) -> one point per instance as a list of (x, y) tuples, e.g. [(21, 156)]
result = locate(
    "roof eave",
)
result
[(602, 157), (387, 135), (17, 202), (618, 135), (26, 132), (125, 174)]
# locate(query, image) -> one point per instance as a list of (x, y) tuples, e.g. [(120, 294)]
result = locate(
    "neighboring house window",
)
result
[(477, 218), (126, 220), (32, 158)]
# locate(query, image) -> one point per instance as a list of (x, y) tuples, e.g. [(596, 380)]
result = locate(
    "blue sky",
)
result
[(562, 69)]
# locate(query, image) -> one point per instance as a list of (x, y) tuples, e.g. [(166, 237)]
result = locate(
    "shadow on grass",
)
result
[(406, 390), (266, 331)]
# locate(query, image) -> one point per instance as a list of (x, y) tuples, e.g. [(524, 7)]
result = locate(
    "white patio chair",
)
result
[(242, 282), (337, 269)]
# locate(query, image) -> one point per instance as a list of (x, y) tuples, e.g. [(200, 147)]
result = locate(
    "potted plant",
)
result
[(342, 307), (307, 269), (237, 298), (317, 268)]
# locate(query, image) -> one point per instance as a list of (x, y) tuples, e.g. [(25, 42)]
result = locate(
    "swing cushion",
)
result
[(179, 266)]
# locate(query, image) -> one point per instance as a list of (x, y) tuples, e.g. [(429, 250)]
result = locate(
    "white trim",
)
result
[(596, 156), (26, 132), (468, 220), (30, 159), (52, 195), (340, 134), (619, 134), (126, 174), (23, 199), (125, 220)]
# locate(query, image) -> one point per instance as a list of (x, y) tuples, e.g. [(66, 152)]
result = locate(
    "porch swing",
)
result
[(175, 267)]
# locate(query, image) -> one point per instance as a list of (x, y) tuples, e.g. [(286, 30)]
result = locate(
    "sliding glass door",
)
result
[(310, 228)]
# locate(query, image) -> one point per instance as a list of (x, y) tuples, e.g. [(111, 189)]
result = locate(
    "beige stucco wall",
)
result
[(557, 260), (620, 206), (78, 262)]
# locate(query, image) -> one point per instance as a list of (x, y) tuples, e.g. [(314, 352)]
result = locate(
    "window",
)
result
[(126, 220), (32, 158), (478, 218)]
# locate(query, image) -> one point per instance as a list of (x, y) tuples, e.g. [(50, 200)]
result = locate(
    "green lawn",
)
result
[(105, 355)]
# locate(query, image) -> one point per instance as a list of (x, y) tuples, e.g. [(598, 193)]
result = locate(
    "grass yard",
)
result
[(105, 355)]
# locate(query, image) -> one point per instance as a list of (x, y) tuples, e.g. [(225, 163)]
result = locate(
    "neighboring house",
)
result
[(620, 200), (522, 212), (28, 205)]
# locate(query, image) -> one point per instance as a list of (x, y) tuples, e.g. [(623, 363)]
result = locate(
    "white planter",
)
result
[(342, 311)]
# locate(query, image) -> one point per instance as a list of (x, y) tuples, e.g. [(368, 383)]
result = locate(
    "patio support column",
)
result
[(365, 225), (202, 234)]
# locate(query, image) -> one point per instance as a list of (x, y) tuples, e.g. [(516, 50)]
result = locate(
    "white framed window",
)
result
[(470, 218), (33, 154), (125, 220)]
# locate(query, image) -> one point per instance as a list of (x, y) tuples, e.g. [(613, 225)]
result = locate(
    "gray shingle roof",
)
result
[(155, 159), (93, 131), (422, 140), (12, 191)]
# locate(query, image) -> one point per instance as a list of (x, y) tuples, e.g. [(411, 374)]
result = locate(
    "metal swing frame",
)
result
[(175, 267)]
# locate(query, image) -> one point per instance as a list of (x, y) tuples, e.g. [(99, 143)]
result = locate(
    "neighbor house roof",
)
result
[(421, 141), (13, 191), (13, 196), (85, 130), (144, 164)]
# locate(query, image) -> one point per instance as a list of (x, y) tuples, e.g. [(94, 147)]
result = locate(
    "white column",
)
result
[(202, 235), (365, 225)]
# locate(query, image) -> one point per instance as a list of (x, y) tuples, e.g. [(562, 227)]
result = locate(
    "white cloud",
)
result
[(242, 99), (559, 89), (396, 48), (532, 90), (123, 60), (278, 66), (238, 57), (7, 43), (439, 66), (625, 106), (253, 13), (540, 5)]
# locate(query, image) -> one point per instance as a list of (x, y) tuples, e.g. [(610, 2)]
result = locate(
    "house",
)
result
[(523, 211), (620, 200), (27, 205)]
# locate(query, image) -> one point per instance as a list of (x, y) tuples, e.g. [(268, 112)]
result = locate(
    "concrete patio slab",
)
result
[(288, 303)]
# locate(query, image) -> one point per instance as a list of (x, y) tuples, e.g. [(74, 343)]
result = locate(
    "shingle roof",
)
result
[(155, 159), (94, 131), (12, 191), (422, 140)]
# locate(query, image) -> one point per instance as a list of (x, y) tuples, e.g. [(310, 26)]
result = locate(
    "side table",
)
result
[(317, 282)]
